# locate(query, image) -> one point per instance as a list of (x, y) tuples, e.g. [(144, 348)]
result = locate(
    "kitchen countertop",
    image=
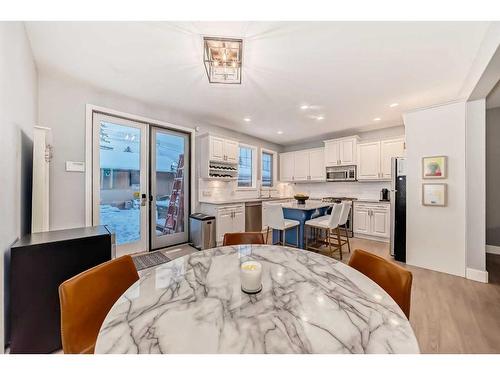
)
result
[(244, 200), (370, 200), (309, 205)]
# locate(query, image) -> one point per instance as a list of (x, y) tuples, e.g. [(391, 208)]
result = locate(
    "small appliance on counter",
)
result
[(202, 231), (398, 209), (384, 195)]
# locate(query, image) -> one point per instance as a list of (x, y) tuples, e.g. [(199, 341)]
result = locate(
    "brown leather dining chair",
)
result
[(395, 280), (86, 300), (245, 238)]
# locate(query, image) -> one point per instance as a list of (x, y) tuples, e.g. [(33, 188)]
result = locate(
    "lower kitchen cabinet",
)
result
[(372, 220), (228, 218)]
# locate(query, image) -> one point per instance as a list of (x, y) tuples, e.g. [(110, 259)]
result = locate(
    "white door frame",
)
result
[(90, 109), (142, 243)]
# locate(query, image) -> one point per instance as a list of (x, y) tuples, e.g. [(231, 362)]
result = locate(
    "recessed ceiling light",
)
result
[(377, 119), (279, 132), (247, 119), (305, 106), (393, 105), (320, 117)]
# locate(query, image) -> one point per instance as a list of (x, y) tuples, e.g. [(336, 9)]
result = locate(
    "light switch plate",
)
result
[(75, 166)]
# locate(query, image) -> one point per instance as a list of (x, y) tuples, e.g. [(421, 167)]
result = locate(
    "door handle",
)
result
[(143, 199)]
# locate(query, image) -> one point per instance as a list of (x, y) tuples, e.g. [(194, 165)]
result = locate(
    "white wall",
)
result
[(476, 184), (62, 102), (435, 236), (18, 113)]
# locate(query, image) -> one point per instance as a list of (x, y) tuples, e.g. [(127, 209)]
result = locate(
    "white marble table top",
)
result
[(309, 304)]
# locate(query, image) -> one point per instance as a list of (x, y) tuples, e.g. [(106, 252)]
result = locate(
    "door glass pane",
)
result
[(267, 169), (120, 162), (170, 183)]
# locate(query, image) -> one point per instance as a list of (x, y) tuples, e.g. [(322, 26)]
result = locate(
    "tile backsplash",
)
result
[(367, 190), (223, 191)]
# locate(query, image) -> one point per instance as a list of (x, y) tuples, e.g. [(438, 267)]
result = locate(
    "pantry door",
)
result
[(120, 180), (170, 178)]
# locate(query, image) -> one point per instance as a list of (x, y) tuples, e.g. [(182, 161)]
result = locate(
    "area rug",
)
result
[(150, 260)]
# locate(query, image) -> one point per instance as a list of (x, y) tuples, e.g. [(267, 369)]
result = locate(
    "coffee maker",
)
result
[(384, 195)]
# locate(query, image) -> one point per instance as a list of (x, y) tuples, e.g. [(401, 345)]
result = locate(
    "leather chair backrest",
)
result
[(86, 300), (254, 238), (395, 280)]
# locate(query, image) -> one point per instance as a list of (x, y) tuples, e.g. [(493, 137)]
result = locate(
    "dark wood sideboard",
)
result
[(39, 263)]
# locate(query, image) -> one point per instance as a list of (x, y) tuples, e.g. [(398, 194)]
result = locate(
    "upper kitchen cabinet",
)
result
[(287, 166), (317, 164), (374, 158), (341, 151), (223, 150), (303, 166), (218, 158), (390, 148)]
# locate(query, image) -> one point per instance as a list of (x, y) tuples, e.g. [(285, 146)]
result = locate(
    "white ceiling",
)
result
[(349, 71)]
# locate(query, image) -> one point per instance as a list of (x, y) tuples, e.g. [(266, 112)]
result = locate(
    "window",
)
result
[(246, 173), (267, 169)]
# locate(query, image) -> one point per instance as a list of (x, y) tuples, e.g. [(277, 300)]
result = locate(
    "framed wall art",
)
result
[(434, 195), (434, 167)]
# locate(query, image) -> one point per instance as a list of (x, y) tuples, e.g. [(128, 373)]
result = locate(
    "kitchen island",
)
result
[(301, 213)]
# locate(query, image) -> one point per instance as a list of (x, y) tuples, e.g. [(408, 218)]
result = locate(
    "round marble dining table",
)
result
[(309, 303)]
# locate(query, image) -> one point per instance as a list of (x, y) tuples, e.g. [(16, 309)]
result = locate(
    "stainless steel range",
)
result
[(350, 219)]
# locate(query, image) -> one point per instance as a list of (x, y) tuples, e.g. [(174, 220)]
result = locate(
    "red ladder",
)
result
[(174, 222)]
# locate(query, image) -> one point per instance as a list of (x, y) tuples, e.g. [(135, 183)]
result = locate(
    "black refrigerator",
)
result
[(398, 209)]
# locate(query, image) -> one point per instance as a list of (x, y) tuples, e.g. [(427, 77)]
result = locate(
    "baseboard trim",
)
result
[(493, 249), (373, 238), (476, 275)]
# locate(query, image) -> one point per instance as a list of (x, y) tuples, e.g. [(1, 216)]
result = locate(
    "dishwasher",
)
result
[(253, 216)]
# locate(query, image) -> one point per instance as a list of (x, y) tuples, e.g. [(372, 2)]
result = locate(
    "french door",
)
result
[(140, 183), (169, 187)]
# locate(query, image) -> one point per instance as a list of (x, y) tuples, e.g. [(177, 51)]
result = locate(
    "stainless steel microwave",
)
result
[(346, 173)]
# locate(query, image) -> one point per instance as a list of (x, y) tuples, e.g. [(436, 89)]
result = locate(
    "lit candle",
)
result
[(251, 277)]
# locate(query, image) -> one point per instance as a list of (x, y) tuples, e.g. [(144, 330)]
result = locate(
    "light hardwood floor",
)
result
[(449, 314)]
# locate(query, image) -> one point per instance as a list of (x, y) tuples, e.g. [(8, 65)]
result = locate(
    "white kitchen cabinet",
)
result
[(223, 150), (317, 164), (374, 158), (216, 149), (372, 220), (228, 218), (390, 148), (341, 151), (287, 166), (361, 219), (303, 166), (369, 161), (231, 151), (380, 222)]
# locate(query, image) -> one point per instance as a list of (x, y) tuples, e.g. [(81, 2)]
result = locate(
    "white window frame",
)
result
[(275, 168), (254, 167)]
